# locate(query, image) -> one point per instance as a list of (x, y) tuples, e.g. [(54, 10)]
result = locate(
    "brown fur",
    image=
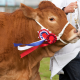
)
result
[(19, 27)]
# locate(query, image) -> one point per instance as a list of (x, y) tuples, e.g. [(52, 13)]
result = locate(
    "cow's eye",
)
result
[(51, 19)]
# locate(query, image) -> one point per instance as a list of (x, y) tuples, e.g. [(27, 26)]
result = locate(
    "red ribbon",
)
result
[(28, 51), (51, 38)]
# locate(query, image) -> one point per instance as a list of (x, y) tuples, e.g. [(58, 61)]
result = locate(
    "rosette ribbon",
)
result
[(49, 38), (31, 47)]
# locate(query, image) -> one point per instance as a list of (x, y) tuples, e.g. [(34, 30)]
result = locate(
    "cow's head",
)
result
[(53, 19)]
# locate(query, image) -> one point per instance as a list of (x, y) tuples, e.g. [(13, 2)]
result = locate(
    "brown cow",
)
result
[(20, 27)]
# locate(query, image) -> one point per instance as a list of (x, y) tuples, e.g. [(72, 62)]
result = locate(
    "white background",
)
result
[(57, 2)]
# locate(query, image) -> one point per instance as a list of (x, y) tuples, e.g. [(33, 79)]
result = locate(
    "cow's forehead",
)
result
[(47, 6), (48, 12)]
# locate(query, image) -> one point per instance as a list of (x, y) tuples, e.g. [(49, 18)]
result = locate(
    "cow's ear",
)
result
[(28, 11)]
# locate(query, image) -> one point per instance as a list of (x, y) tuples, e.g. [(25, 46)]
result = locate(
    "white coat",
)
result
[(70, 51)]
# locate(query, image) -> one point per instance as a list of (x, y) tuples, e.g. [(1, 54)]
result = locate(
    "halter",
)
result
[(51, 38), (60, 34)]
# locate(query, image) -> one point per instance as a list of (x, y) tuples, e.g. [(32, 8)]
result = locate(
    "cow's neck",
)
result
[(47, 51), (25, 29)]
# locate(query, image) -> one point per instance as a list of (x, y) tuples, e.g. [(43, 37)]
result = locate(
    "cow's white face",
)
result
[(53, 19)]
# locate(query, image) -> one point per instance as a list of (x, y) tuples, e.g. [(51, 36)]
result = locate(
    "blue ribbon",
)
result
[(32, 44)]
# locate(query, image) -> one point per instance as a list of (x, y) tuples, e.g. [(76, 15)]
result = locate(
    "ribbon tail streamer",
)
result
[(17, 44), (43, 45), (28, 51), (24, 48), (37, 43)]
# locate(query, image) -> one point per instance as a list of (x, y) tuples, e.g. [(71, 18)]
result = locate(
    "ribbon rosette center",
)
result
[(44, 35), (51, 38)]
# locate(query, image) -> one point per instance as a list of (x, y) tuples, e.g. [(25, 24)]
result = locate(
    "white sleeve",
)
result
[(78, 2), (63, 4), (59, 3)]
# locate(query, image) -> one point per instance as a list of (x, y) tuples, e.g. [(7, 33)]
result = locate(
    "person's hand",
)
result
[(71, 7)]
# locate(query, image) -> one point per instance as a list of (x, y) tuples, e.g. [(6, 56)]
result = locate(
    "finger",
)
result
[(75, 2), (75, 6), (72, 10)]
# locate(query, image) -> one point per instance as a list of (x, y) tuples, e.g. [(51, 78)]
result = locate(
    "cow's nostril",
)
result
[(75, 31)]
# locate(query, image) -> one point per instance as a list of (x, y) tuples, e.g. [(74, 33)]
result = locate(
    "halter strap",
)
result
[(42, 27), (60, 34)]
